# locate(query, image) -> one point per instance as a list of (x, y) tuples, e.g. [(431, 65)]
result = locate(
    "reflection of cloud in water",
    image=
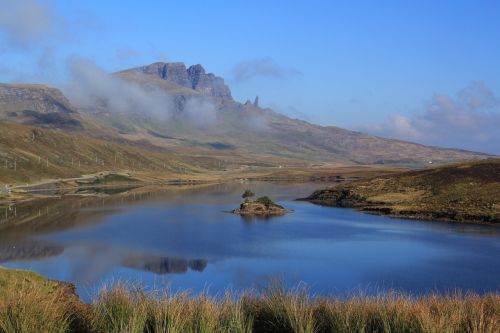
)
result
[(90, 263)]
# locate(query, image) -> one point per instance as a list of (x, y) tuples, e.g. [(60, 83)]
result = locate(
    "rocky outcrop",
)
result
[(33, 97), (194, 77), (207, 83), (174, 72), (253, 208), (39, 105), (256, 102)]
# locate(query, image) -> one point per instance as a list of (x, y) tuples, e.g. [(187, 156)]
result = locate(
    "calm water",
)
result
[(182, 238)]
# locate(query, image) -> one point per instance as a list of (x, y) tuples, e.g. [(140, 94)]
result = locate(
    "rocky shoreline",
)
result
[(342, 198), (460, 193)]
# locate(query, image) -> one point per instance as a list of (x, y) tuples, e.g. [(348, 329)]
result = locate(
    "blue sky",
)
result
[(377, 66)]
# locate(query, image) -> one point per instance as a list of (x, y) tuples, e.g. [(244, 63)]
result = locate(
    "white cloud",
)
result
[(263, 67), (471, 121), (200, 112), (90, 86), (26, 22)]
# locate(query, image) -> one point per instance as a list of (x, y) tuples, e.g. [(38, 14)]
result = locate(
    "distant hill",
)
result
[(203, 129), (38, 105), (29, 154), (465, 192), (251, 128)]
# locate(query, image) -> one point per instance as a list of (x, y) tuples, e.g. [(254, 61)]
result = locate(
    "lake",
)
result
[(181, 237)]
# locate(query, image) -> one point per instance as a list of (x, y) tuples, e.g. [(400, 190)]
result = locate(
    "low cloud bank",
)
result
[(469, 120), (91, 86), (200, 112)]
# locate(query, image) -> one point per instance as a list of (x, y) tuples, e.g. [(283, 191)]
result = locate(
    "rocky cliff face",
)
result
[(194, 77), (208, 84), (35, 104), (33, 97)]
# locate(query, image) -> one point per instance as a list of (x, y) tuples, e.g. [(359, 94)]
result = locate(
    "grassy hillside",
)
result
[(30, 303), (29, 154), (466, 192), (250, 130), (188, 122)]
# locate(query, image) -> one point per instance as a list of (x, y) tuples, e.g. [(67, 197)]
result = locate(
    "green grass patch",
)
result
[(265, 200)]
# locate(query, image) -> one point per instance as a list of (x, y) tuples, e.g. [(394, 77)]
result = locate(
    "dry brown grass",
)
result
[(30, 303), (280, 310), (121, 308), (467, 192)]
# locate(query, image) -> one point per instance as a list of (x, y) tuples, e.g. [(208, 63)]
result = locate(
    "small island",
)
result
[(262, 207)]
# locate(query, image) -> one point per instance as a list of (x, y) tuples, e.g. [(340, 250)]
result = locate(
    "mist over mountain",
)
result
[(172, 105)]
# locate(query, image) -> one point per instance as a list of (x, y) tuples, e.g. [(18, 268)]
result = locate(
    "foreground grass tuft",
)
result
[(121, 308), (29, 307)]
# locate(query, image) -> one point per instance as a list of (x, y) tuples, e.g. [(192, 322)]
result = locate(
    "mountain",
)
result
[(174, 76), (250, 128), (166, 119), (38, 105)]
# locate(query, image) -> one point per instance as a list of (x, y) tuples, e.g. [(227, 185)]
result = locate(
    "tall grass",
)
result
[(121, 308), (167, 313), (27, 308)]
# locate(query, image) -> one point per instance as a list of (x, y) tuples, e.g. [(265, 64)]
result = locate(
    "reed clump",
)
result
[(122, 308), (47, 307)]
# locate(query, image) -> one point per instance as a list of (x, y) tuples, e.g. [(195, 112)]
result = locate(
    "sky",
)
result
[(425, 71)]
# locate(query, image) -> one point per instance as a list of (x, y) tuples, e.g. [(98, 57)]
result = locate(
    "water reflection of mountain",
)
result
[(22, 223), (164, 265), (28, 251), (86, 205), (80, 207)]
